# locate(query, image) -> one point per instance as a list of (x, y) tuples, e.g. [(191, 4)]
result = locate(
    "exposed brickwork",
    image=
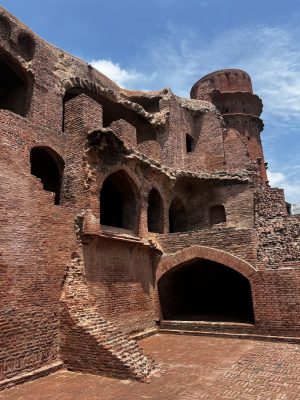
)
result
[(80, 276), (278, 233)]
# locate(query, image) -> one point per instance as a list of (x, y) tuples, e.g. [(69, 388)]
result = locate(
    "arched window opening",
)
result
[(189, 142), (217, 215), (155, 212), (13, 89), (48, 166), (177, 216), (26, 46), (205, 291), (118, 203)]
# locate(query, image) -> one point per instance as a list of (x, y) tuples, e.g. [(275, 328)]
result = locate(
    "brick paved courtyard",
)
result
[(191, 367)]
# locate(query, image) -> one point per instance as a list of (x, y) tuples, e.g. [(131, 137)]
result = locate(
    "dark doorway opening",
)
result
[(205, 291), (13, 90), (177, 216), (155, 212), (48, 167), (118, 204)]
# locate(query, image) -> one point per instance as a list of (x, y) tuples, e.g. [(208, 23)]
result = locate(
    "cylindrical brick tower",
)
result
[(230, 90)]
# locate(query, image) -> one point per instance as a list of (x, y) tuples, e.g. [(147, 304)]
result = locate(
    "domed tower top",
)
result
[(225, 80), (230, 90)]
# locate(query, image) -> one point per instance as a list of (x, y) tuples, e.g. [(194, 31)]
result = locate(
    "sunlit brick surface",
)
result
[(192, 367)]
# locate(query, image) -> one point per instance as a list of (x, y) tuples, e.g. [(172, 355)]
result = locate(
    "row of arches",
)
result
[(200, 289), (119, 205)]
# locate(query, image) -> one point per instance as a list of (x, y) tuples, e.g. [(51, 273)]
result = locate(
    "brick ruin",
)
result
[(126, 211)]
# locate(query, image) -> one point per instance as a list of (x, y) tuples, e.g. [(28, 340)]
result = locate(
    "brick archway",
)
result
[(204, 283), (208, 253)]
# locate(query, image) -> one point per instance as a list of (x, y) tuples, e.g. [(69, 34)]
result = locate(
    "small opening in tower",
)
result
[(189, 141)]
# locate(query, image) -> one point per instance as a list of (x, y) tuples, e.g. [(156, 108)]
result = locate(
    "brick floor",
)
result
[(192, 368)]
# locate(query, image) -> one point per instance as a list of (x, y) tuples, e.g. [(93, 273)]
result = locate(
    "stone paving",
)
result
[(191, 368)]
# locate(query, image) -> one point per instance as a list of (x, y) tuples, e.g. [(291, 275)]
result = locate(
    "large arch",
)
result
[(208, 253), (204, 274), (119, 205), (204, 290), (48, 166)]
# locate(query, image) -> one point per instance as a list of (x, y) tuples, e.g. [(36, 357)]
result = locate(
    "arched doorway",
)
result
[(177, 216), (118, 203), (155, 212), (204, 290), (48, 166)]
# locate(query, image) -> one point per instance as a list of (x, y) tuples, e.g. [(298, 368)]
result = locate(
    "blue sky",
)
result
[(171, 43)]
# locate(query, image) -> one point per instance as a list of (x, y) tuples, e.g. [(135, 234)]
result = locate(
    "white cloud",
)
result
[(276, 178), (291, 187), (271, 55), (123, 77)]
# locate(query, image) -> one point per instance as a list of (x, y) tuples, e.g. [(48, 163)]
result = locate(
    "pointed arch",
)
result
[(204, 290), (204, 283), (119, 205), (208, 253)]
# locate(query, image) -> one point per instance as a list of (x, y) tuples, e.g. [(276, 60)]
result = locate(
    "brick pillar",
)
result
[(81, 114)]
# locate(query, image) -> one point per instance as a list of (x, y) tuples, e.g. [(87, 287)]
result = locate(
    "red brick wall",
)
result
[(120, 276), (36, 240)]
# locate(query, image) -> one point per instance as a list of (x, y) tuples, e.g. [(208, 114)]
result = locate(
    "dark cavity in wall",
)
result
[(189, 143), (118, 205), (205, 291), (48, 167), (177, 216), (155, 212), (217, 215), (14, 88), (150, 104)]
